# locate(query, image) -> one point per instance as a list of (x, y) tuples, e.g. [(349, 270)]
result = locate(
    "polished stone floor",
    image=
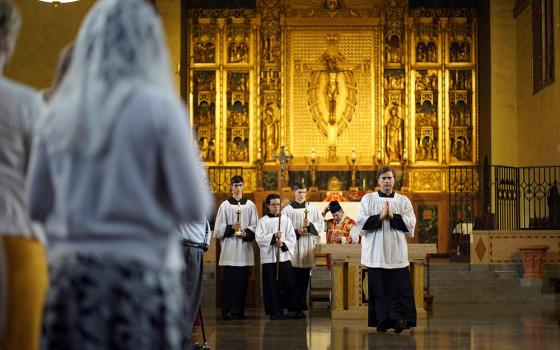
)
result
[(448, 326)]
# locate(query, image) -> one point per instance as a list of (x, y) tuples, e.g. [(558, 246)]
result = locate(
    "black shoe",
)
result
[(299, 314), (400, 326), (381, 329)]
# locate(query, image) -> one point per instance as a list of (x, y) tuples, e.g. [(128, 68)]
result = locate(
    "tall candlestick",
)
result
[(313, 154), (238, 231)]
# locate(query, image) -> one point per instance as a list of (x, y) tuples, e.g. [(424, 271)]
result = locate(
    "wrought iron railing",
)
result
[(219, 177), (502, 198), (464, 186)]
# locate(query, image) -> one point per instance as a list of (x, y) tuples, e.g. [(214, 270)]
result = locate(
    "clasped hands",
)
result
[(278, 236), (386, 213), (303, 230), (237, 227)]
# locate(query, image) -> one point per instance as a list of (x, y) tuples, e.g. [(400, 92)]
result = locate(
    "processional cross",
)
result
[(283, 157)]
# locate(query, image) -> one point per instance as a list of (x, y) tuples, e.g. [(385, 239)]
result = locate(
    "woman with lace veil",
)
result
[(113, 172)]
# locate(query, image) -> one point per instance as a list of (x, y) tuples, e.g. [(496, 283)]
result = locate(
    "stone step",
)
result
[(463, 283), (475, 282), (487, 295), (451, 267), (434, 275), (508, 274)]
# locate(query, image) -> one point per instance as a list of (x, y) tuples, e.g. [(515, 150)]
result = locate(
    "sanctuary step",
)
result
[(458, 283)]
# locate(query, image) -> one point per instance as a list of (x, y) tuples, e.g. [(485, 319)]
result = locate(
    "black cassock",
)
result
[(279, 294), (390, 297)]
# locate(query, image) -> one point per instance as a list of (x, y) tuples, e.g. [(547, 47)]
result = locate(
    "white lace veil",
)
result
[(120, 47)]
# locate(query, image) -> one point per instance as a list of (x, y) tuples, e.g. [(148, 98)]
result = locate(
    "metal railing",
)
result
[(219, 177), (464, 207), (502, 198)]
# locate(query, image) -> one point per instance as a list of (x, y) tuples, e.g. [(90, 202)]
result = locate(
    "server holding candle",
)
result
[(235, 227), (308, 222)]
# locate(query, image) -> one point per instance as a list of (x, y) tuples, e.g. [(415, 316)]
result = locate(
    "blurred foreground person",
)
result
[(113, 172), (23, 268), (195, 238), (62, 65)]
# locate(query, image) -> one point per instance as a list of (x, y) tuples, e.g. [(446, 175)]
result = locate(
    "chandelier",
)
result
[(58, 2)]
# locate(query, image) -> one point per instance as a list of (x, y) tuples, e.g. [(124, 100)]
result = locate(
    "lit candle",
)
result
[(259, 154), (353, 154), (364, 184), (313, 154)]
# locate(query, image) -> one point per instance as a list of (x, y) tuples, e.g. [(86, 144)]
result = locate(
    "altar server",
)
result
[(235, 228), (386, 218), (276, 239), (308, 222)]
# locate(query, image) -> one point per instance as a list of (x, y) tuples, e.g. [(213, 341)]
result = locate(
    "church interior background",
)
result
[(460, 97)]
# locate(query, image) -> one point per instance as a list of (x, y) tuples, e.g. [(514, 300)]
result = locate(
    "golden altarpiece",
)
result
[(342, 86), (345, 85)]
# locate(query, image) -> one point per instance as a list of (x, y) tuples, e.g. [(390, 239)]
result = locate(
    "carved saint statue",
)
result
[(270, 130), (394, 132)]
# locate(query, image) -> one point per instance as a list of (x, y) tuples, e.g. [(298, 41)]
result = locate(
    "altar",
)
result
[(349, 286)]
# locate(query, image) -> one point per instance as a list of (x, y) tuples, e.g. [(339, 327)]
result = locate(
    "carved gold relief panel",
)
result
[(426, 43), (204, 116), (426, 115), (461, 138), (330, 92), (238, 41), (222, 50), (238, 100), (427, 180), (461, 112), (204, 39), (460, 41)]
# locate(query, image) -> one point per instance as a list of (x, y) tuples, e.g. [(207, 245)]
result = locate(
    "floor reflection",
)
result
[(470, 326)]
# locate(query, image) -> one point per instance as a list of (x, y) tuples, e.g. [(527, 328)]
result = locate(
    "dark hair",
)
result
[(271, 196), (334, 206), (385, 169), (299, 186), (236, 179)]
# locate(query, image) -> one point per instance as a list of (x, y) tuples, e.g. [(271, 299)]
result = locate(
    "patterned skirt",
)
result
[(104, 303)]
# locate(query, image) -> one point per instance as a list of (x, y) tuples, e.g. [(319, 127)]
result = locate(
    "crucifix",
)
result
[(283, 157), (332, 92)]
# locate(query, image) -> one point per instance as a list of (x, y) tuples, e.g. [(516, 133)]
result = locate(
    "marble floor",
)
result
[(448, 326)]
